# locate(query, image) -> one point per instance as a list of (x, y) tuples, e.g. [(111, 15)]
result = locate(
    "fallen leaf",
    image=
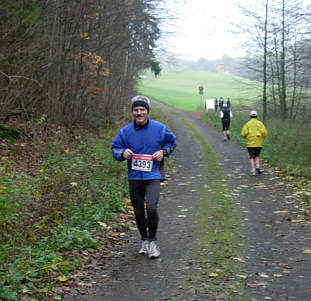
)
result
[(62, 278), (241, 276), (263, 275), (255, 284), (307, 251), (127, 201), (238, 259), (104, 225), (280, 212)]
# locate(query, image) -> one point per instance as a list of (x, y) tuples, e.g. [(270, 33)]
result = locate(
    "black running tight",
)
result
[(147, 219)]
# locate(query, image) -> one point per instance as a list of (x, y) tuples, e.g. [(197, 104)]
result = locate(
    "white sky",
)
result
[(202, 29)]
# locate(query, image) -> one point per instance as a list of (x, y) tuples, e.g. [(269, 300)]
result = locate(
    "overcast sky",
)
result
[(202, 29)]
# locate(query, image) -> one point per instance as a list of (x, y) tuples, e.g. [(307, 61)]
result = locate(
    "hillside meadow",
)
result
[(181, 89)]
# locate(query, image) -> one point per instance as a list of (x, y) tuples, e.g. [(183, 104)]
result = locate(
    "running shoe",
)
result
[(253, 172), (259, 171), (144, 247), (154, 250)]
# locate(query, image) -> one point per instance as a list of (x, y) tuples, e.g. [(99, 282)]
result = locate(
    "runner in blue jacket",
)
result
[(144, 143)]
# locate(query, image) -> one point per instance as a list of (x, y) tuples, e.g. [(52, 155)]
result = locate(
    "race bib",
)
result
[(142, 162)]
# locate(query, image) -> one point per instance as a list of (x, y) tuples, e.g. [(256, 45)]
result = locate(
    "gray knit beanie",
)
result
[(140, 101)]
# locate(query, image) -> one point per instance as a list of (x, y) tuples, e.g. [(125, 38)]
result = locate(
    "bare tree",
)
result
[(74, 60), (275, 55)]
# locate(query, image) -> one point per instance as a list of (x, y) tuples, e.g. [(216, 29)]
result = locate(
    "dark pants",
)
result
[(147, 219), (253, 152), (225, 124)]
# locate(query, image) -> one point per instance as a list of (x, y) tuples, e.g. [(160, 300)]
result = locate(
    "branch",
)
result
[(20, 76)]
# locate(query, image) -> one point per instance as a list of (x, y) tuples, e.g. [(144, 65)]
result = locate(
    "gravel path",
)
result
[(272, 241)]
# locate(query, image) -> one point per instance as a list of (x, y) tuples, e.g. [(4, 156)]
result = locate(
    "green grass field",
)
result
[(181, 89)]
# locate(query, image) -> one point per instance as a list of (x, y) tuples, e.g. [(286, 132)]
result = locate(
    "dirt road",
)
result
[(273, 240)]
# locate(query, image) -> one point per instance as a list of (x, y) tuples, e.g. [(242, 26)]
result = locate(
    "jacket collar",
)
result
[(137, 127)]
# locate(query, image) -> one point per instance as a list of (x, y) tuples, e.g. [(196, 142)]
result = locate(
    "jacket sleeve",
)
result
[(244, 131), (118, 147), (169, 142)]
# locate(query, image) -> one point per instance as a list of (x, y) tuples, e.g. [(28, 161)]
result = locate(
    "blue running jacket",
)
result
[(144, 140)]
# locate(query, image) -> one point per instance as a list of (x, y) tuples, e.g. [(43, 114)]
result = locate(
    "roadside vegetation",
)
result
[(52, 203)]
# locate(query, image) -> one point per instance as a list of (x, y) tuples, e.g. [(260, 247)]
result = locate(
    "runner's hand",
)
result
[(127, 154), (158, 156)]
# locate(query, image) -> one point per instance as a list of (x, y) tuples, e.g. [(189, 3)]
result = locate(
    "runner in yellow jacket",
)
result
[(255, 133)]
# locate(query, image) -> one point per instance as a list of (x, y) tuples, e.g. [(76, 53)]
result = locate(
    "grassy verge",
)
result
[(53, 208), (216, 264)]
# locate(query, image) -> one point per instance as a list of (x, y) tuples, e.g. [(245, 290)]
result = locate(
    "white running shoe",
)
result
[(253, 172), (154, 250), (144, 247)]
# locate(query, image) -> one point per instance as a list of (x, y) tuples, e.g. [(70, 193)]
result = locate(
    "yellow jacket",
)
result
[(254, 132)]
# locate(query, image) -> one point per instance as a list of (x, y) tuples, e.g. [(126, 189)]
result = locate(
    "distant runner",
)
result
[(226, 117), (255, 133), (144, 143), (221, 103), (228, 103), (215, 104)]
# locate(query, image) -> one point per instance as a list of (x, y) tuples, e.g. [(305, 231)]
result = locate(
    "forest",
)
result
[(73, 62)]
